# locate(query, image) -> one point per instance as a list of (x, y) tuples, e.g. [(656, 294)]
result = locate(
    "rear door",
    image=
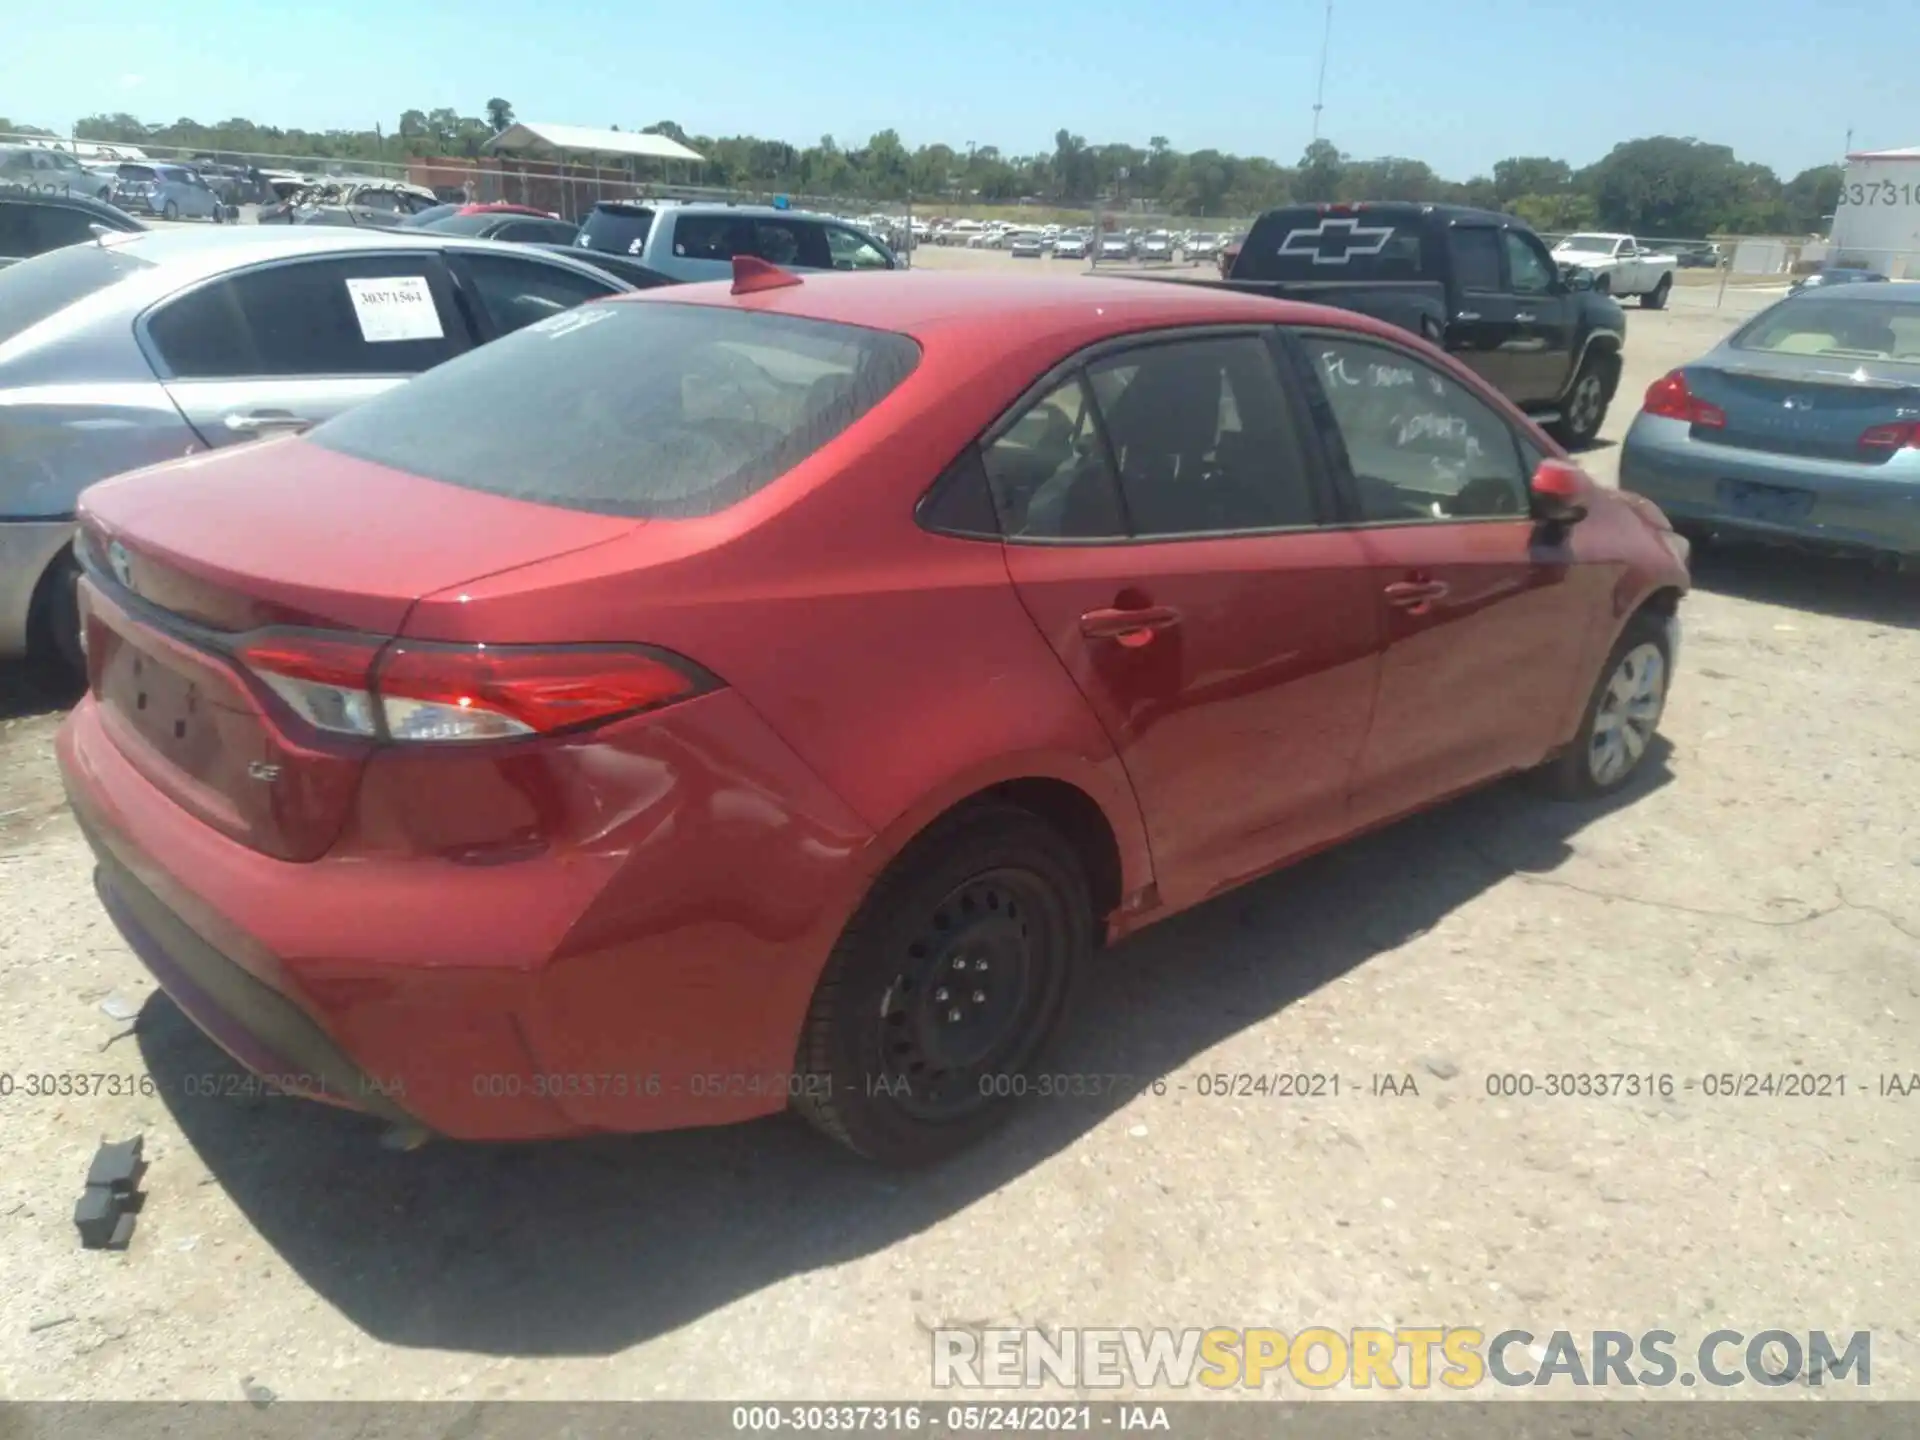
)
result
[(1485, 622), (283, 346), (1164, 529)]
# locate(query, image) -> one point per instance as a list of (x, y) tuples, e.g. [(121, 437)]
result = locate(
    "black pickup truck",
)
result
[(1478, 284)]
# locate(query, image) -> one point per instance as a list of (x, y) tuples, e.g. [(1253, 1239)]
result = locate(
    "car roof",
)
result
[(1885, 292), (714, 207), (99, 209), (968, 306)]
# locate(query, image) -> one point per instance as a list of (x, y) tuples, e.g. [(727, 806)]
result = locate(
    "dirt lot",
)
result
[(1753, 905)]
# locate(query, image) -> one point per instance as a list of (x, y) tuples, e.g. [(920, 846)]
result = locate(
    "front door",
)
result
[(1164, 531), (282, 346), (1544, 321), (1481, 330), (1485, 624)]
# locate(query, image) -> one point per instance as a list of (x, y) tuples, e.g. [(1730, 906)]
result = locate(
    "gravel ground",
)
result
[(1752, 905)]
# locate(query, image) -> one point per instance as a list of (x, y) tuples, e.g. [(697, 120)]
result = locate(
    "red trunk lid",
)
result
[(186, 556)]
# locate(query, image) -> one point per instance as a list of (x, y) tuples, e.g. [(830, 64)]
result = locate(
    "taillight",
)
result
[(1669, 398), (420, 692), (1891, 437)]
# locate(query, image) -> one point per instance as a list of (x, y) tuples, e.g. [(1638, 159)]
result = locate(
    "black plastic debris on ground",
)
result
[(105, 1212)]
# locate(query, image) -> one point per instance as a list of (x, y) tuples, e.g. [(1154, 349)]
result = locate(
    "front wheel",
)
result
[(945, 988), (1603, 284), (1621, 716), (1656, 298)]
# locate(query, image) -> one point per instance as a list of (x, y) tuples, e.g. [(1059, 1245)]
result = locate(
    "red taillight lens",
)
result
[(421, 692), (485, 692), (1669, 398), (1891, 437)]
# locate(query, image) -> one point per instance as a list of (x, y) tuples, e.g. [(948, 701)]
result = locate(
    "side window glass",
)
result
[(1531, 273), (1204, 438), (1048, 471), (16, 230), (792, 242), (711, 237), (517, 293), (854, 252), (1420, 446), (324, 317), (1476, 257), (57, 225)]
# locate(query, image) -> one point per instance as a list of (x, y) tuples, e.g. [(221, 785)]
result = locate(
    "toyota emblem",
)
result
[(121, 563)]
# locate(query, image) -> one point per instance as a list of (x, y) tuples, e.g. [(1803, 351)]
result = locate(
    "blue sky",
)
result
[(1457, 83)]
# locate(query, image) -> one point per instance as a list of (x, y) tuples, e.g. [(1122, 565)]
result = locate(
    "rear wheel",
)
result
[(1603, 284), (170, 211), (1656, 298), (1621, 716), (946, 987), (1585, 407)]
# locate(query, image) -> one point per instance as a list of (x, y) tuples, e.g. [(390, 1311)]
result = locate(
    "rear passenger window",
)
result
[(1476, 258), (517, 293), (314, 317), (1049, 474), (57, 225), (1204, 438)]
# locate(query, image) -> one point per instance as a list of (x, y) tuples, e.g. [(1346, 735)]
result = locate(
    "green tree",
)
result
[(499, 114), (1529, 175), (1318, 178)]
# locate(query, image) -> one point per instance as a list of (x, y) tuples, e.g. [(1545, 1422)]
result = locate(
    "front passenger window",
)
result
[(1419, 445), (1531, 273)]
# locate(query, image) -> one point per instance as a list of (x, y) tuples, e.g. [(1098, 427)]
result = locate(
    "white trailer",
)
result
[(1877, 222)]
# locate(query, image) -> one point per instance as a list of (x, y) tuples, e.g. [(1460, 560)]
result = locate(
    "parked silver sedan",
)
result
[(1803, 426), (133, 349)]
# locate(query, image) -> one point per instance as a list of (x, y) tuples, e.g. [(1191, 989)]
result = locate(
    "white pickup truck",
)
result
[(1620, 266)]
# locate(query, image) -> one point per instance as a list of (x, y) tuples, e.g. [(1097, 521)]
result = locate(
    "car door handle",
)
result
[(1523, 318), (1468, 315), (1132, 628), (1415, 594), (261, 422)]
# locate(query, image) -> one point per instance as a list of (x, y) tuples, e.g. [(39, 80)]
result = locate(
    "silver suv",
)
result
[(690, 241)]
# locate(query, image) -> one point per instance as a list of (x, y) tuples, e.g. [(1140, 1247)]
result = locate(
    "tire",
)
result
[(992, 893), (1603, 284), (1585, 410), (1620, 708), (170, 211), (1656, 298), (53, 626)]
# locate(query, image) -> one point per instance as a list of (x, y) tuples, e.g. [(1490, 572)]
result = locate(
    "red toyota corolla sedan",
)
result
[(726, 699)]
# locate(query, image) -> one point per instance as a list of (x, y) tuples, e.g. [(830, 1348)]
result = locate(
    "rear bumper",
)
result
[(27, 548), (1855, 507), (655, 980)]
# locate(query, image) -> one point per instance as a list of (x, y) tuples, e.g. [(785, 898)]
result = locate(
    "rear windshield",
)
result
[(1845, 329), (647, 410), (41, 287), (1305, 245), (617, 231)]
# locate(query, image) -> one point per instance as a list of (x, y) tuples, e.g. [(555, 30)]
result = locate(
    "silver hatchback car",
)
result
[(133, 349), (1803, 427)]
